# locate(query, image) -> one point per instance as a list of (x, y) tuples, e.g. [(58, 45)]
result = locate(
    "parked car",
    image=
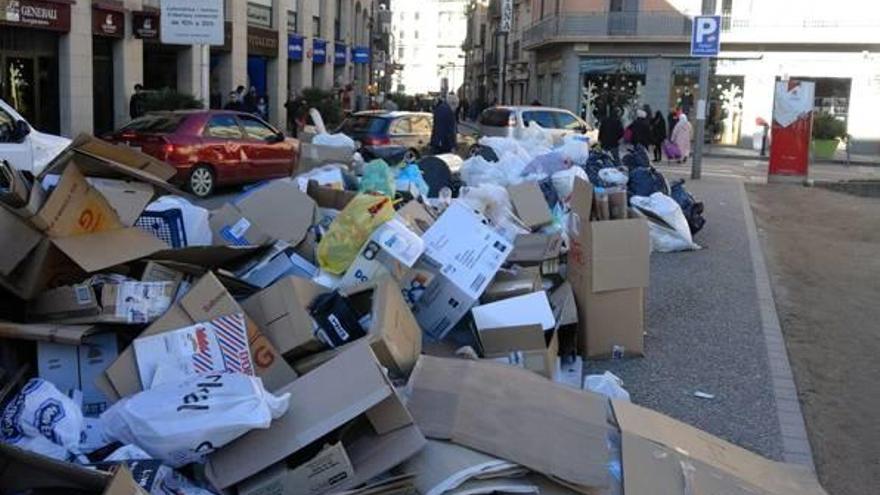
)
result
[(210, 148), (513, 122), (410, 130), (24, 147)]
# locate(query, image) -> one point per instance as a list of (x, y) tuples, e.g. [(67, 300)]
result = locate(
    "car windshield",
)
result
[(495, 117), (155, 124), (364, 124)]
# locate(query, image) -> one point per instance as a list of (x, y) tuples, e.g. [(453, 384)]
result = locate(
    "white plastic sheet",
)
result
[(181, 422), (43, 420), (607, 384), (335, 140), (668, 226)]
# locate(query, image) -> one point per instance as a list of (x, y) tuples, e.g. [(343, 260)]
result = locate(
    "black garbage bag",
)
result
[(598, 160), (692, 209), (437, 175), (645, 181), (636, 158)]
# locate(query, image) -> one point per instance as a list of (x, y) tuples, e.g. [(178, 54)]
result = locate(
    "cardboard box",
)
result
[(466, 254), (126, 302), (530, 206), (322, 473), (392, 249), (24, 471), (75, 367), (281, 311), (608, 267), (127, 198), (517, 281), (47, 332), (279, 260), (516, 415), (207, 299), (656, 447), (565, 309), (98, 158), (277, 211), (74, 208), (393, 333), (350, 386), (525, 346)]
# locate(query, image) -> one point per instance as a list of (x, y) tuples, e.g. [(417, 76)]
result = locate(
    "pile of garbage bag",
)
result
[(363, 327)]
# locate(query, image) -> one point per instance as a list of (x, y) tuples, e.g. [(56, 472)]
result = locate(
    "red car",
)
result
[(210, 148)]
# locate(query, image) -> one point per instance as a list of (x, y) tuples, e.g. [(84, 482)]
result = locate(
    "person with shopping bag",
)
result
[(681, 138)]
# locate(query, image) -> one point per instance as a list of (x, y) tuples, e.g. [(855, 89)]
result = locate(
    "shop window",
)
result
[(604, 93), (724, 116)]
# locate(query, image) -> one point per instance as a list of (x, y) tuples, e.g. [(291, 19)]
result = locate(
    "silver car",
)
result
[(513, 122)]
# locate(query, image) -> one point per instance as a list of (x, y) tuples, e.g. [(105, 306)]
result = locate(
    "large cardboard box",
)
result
[(530, 205), (205, 301), (526, 346), (346, 388), (608, 267), (564, 434), (75, 367), (277, 211)]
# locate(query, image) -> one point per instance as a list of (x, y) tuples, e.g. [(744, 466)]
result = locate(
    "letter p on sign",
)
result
[(706, 36)]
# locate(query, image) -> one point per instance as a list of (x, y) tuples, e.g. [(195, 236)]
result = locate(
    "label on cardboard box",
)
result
[(470, 251), (218, 345), (240, 227), (74, 207), (323, 472)]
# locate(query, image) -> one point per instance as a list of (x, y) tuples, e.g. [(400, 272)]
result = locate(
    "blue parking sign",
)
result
[(706, 36)]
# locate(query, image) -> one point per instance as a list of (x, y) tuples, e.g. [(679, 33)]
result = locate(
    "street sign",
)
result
[(706, 36), (192, 22), (506, 16)]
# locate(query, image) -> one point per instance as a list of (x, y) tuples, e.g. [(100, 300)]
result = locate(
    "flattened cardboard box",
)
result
[(126, 302), (534, 249), (322, 473), (512, 283), (662, 455), (608, 267), (207, 300), (116, 161), (514, 414), (277, 211), (339, 391), (47, 332)]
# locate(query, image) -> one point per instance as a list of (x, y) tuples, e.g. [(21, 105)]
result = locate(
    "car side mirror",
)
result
[(22, 129), (277, 138)]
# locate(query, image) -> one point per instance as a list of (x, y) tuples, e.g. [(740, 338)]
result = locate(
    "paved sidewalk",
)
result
[(706, 333), (840, 156)]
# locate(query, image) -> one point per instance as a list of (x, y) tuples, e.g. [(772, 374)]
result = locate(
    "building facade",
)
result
[(71, 67), (426, 45), (592, 56)]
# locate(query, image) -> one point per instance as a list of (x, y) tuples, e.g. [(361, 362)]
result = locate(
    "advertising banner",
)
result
[(792, 128)]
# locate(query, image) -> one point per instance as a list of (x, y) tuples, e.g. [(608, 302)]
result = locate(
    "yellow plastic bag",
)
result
[(351, 229)]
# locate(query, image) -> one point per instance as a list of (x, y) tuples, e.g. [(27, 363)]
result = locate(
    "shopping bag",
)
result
[(671, 150)]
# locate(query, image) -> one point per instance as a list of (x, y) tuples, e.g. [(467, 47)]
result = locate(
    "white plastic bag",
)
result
[(613, 177), (43, 420), (181, 422), (575, 147), (335, 140), (477, 171), (536, 139), (507, 146), (563, 181), (607, 384), (195, 218), (493, 202), (669, 227)]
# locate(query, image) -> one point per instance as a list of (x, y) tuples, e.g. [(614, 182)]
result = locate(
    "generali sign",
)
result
[(37, 14)]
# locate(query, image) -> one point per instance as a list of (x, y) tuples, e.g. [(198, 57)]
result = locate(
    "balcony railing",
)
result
[(575, 27)]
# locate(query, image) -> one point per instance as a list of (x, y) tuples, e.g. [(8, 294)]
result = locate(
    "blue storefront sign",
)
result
[(360, 54), (319, 51), (339, 54), (295, 46)]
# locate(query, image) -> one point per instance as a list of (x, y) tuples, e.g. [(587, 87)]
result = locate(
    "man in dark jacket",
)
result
[(136, 103), (443, 133), (610, 134), (641, 129)]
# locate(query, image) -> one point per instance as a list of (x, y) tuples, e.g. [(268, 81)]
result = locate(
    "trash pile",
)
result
[(361, 328)]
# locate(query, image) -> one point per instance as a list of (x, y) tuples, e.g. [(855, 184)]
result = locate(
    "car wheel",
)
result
[(201, 181), (411, 156)]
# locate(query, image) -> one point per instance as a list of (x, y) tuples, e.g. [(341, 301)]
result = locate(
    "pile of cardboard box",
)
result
[(382, 400)]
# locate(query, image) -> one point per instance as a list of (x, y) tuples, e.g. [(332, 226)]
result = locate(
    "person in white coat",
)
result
[(681, 136)]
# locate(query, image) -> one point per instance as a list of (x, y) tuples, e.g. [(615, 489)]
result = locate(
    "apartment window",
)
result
[(337, 21), (416, 34), (292, 21), (400, 36), (316, 26), (400, 53), (417, 16), (482, 35), (542, 9), (616, 6), (726, 13)]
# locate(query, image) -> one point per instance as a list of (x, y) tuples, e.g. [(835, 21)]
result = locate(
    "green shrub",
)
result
[(827, 126), (327, 103), (169, 99)]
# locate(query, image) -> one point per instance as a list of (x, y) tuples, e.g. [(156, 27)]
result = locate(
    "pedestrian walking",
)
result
[(250, 100), (610, 134), (263, 108), (681, 136), (640, 130), (389, 104), (136, 103), (658, 135), (443, 133), (234, 103)]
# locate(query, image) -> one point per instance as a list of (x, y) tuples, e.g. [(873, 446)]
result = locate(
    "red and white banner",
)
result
[(792, 128)]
